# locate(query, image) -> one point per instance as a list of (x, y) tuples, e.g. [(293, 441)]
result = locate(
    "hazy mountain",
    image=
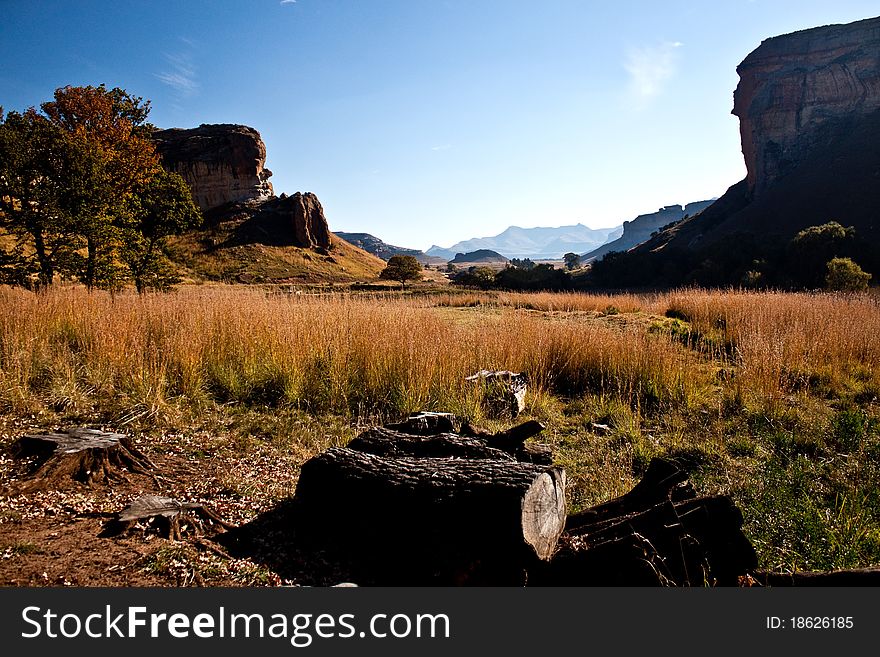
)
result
[(535, 243), (484, 256), (639, 229)]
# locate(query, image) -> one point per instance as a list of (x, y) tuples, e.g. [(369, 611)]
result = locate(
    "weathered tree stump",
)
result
[(504, 392), (439, 520), (165, 516), (87, 456)]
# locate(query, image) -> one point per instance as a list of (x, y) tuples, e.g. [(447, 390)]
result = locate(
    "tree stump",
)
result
[(87, 456), (504, 392), (438, 520), (165, 516)]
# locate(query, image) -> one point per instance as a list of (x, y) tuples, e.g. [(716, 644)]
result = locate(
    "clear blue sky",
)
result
[(433, 121)]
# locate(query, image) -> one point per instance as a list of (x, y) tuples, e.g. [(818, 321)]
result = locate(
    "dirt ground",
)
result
[(57, 537)]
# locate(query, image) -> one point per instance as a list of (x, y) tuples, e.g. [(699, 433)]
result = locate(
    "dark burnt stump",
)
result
[(87, 456), (431, 520)]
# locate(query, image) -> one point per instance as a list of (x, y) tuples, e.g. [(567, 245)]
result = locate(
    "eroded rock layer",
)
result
[(793, 86)]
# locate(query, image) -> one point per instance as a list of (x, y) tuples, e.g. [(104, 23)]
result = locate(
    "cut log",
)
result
[(87, 456), (427, 424), (420, 520), (389, 443), (166, 516), (663, 480), (513, 439)]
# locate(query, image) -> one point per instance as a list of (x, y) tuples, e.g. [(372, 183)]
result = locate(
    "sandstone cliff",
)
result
[(221, 163), (791, 86), (809, 109)]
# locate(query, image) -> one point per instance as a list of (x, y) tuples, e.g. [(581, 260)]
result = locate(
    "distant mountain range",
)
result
[(639, 229), (372, 244), (535, 243)]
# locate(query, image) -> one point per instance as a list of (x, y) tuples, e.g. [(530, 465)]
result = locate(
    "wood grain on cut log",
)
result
[(87, 456), (427, 514)]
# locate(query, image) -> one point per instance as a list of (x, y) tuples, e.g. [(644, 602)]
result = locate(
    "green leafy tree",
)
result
[(83, 194), (481, 277), (37, 167), (402, 268), (162, 207), (572, 261), (844, 275)]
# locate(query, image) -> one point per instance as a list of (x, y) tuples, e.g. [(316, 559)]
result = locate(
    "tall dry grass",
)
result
[(384, 355), (324, 353), (783, 343)]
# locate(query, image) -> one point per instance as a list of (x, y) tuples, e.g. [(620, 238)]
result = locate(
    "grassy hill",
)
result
[(208, 255)]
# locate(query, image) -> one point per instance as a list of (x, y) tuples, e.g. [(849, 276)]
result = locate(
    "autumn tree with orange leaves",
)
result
[(78, 188)]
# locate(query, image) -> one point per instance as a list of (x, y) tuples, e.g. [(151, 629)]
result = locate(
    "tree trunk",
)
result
[(420, 520)]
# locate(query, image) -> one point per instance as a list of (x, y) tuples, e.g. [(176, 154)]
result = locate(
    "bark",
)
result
[(86, 456), (417, 520)]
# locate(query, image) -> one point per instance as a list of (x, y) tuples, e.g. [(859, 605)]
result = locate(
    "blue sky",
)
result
[(428, 122)]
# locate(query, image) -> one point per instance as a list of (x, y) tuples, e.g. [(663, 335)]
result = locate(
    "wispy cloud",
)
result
[(650, 67), (287, 2), (442, 147), (180, 73)]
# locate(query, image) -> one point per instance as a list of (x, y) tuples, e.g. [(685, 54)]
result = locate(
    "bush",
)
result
[(844, 275)]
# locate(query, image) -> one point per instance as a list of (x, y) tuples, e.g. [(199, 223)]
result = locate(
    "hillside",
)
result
[(479, 257), (383, 250), (251, 235), (641, 228)]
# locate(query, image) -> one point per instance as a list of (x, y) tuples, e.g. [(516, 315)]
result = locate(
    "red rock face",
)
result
[(793, 85), (220, 163)]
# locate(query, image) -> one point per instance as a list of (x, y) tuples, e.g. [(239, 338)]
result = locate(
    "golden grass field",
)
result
[(773, 398)]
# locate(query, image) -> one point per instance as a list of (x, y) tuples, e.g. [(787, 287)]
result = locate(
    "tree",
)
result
[(572, 261), (525, 263), (813, 247), (402, 268), (160, 208), (83, 193), (108, 129), (481, 277), (37, 166), (844, 275)]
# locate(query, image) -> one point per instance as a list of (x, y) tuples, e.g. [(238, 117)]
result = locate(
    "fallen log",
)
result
[(389, 443), (417, 520), (87, 456)]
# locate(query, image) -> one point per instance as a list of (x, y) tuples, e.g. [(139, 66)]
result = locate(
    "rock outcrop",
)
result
[(809, 109), (793, 86), (221, 163), (642, 227), (224, 167)]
